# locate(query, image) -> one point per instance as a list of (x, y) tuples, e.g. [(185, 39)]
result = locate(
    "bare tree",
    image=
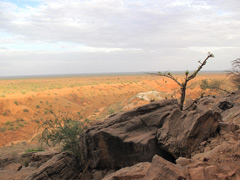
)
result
[(235, 73), (183, 84)]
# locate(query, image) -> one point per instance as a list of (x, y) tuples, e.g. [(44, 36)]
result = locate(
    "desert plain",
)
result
[(25, 102)]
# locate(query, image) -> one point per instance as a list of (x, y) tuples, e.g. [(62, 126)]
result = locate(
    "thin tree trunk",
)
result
[(183, 94)]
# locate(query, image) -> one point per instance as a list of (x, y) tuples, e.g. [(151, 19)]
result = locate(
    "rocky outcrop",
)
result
[(156, 141), (137, 171), (39, 158), (159, 128), (61, 167), (128, 138), (183, 131), (162, 170)]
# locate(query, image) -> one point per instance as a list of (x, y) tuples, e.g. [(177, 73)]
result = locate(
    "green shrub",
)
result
[(20, 125), (37, 121), (34, 150), (66, 132), (25, 110), (235, 73), (11, 128), (204, 84), (2, 129), (15, 102), (19, 120), (37, 106), (213, 84)]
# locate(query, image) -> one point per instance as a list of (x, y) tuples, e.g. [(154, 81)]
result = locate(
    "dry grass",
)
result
[(24, 102)]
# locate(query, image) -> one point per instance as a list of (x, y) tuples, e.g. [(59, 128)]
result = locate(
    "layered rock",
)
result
[(162, 170), (128, 138), (159, 128), (183, 131), (200, 143), (62, 166)]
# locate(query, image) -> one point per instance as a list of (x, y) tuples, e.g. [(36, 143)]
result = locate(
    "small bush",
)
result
[(37, 106), (11, 128), (66, 132), (34, 150), (25, 110), (19, 120), (204, 84), (235, 73), (2, 129), (37, 121), (20, 125), (15, 102), (214, 84)]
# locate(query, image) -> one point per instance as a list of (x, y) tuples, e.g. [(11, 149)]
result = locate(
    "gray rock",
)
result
[(128, 138), (134, 172), (161, 169), (62, 166), (14, 167)]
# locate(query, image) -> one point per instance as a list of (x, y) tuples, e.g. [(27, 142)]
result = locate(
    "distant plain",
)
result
[(25, 102)]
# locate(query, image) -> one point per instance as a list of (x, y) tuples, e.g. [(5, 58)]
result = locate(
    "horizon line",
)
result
[(97, 74)]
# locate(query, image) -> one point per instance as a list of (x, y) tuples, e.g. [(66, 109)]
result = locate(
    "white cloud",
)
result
[(120, 29)]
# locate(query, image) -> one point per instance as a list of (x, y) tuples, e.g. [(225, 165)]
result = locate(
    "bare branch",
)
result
[(168, 75), (200, 67), (183, 85)]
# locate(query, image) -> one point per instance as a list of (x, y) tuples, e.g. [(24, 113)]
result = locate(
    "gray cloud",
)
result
[(140, 34)]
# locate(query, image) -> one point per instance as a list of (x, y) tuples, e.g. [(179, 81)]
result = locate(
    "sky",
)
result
[(40, 37)]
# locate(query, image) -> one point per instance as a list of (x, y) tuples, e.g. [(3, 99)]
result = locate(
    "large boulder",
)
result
[(159, 128), (161, 169), (183, 131), (128, 138), (137, 171)]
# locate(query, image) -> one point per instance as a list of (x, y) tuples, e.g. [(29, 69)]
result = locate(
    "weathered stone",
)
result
[(183, 131), (14, 167), (135, 172), (43, 156), (161, 169), (227, 127), (197, 173), (62, 166), (128, 138), (97, 175), (16, 175), (181, 161)]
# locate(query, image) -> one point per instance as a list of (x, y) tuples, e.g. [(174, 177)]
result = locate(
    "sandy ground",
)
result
[(24, 103)]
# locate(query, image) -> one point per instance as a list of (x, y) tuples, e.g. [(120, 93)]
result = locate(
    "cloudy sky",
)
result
[(95, 36)]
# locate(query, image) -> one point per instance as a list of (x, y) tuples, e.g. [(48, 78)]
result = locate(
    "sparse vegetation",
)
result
[(2, 129), (235, 73), (183, 84), (34, 150), (67, 132), (25, 110), (213, 84), (108, 96), (15, 102)]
